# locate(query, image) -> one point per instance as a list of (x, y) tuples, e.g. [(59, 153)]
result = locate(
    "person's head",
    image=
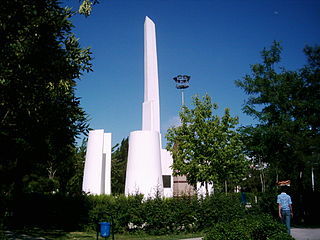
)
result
[(284, 189)]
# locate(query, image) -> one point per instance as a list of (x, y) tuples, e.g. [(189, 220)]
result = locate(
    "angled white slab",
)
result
[(97, 169)]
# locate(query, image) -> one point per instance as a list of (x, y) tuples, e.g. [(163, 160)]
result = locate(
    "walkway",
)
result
[(192, 239), (306, 233)]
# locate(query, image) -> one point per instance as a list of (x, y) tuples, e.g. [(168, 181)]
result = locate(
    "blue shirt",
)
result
[(284, 200)]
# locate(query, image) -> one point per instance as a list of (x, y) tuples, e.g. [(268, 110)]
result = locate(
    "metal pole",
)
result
[(182, 82), (182, 97)]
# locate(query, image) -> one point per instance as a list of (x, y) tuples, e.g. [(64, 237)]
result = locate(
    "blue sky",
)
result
[(214, 42)]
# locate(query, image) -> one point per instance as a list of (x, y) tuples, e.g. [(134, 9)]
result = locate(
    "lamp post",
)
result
[(182, 82)]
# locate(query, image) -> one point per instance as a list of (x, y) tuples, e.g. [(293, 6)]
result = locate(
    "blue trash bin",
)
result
[(104, 229)]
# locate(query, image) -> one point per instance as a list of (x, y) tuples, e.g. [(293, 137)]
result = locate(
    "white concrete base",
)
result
[(144, 164)]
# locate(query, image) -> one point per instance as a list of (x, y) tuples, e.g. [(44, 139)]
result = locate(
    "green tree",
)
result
[(287, 105), (39, 113), (74, 184), (119, 167), (206, 148)]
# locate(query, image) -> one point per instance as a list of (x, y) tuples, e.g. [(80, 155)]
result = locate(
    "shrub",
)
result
[(48, 211), (184, 212), (171, 215), (133, 214), (220, 207), (267, 202), (261, 227), (120, 210), (99, 210)]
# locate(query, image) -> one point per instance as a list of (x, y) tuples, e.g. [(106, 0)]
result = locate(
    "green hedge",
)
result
[(220, 207), (129, 214), (154, 216), (260, 227), (46, 211)]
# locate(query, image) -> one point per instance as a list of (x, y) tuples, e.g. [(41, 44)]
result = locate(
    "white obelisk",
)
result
[(150, 111), (144, 156)]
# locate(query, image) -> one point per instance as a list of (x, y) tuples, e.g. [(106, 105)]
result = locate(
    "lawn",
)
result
[(61, 235)]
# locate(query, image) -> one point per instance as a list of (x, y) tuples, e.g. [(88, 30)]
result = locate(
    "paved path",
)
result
[(192, 239), (15, 236), (306, 233)]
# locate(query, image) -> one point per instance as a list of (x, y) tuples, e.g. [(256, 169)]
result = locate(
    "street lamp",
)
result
[(182, 82)]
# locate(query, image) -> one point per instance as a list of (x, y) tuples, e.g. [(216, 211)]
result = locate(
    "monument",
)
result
[(97, 168), (148, 167)]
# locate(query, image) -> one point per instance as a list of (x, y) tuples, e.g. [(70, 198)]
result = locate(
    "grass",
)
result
[(61, 235), (78, 236)]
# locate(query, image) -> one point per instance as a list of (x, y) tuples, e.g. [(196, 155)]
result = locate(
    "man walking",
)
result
[(285, 208)]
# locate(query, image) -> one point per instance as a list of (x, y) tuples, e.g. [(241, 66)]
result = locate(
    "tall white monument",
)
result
[(97, 169), (150, 111), (147, 162)]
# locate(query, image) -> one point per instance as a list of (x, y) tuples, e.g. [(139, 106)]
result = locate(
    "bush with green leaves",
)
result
[(134, 214), (220, 207), (47, 211), (261, 227), (184, 214), (120, 210), (171, 215)]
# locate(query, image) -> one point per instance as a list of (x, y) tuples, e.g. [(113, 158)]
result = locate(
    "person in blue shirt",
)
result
[(285, 208)]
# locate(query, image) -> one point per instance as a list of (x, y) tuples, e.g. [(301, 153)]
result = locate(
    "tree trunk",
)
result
[(207, 191), (225, 186), (262, 182)]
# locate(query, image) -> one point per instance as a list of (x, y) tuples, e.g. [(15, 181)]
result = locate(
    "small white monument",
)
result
[(97, 169)]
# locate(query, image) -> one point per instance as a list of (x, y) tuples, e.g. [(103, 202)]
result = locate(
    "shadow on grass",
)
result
[(34, 234), (40, 234)]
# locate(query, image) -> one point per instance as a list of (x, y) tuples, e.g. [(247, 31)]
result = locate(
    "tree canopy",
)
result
[(206, 148), (287, 105), (40, 115)]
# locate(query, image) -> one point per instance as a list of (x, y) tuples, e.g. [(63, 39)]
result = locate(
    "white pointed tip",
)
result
[(148, 20)]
